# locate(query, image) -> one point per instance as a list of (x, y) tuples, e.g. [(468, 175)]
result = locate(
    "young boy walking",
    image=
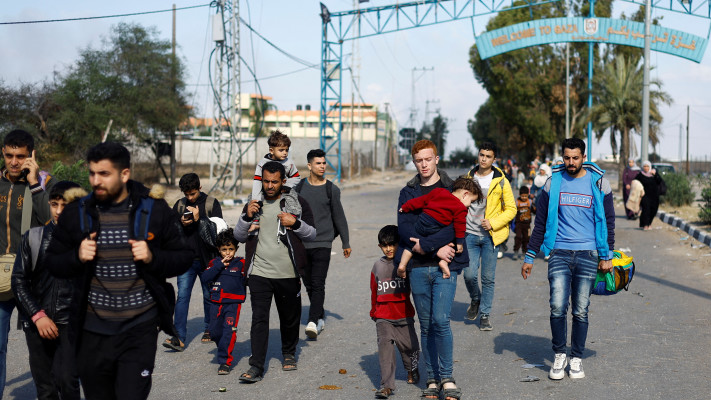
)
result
[(441, 208), (227, 293), (525, 208), (393, 314), (44, 303)]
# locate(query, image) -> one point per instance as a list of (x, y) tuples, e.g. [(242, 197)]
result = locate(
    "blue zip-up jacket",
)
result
[(432, 243), (226, 283), (545, 229)]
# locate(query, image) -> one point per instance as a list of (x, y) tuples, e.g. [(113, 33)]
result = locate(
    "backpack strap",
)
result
[(300, 185), (143, 218), (181, 205), (84, 217), (35, 240), (26, 211), (209, 203)]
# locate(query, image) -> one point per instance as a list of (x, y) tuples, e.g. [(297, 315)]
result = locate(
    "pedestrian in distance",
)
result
[(575, 225), (20, 179), (651, 181), (225, 275), (275, 259), (440, 208), (324, 198), (629, 174), (393, 313), (44, 303), (121, 243), (524, 214), (195, 210), (487, 228), (432, 294)]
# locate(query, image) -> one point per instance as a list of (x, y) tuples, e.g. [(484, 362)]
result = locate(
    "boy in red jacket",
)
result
[(393, 314), (441, 208)]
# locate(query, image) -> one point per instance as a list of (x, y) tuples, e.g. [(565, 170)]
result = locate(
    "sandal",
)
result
[(174, 343), (289, 363), (383, 393), (430, 392), (206, 337), (224, 369), (452, 393), (413, 377), (252, 375)]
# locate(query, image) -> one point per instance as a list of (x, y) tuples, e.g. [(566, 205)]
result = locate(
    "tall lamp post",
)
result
[(591, 46), (645, 93)]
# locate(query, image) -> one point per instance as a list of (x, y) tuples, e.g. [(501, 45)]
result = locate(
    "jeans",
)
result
[(433, 297), (481, 247), (571, 275), (185, 289), (6, 308)]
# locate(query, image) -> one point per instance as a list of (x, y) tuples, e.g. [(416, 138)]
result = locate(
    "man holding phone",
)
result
[(195, 209), (21, 178)]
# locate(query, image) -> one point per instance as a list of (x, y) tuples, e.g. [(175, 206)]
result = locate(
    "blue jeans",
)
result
[(185, 289), (6, 308), (433, 297), (481, 248), (571, 274)]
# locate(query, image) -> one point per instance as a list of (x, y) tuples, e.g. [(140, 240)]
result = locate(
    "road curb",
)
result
[(677, 222)]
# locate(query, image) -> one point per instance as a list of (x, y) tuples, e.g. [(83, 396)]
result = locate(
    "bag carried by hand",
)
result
[(607, 283), (7, 262)]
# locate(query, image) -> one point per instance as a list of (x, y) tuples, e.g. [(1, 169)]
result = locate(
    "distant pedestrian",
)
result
[(650, 180), (324, 197), (523, 219), (392, 311), (226, 277), (44, 303), (487, 228), (121, 242), (275, 258), (575, 225), (630, 173)]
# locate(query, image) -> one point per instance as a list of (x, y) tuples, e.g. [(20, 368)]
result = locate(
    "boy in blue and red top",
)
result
[(575, 225), (393, 314), (440, 208), (227, 293)]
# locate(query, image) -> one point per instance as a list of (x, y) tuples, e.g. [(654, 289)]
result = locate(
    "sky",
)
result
[(385, 63)]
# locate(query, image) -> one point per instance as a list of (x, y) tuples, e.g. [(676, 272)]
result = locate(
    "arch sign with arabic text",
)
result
[(579, 29)]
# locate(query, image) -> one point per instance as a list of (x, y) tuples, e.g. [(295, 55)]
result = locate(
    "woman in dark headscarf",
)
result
[(631, 171), (650, 202)]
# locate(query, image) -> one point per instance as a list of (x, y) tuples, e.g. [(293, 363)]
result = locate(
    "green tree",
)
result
[(618, 105), (436, 131)]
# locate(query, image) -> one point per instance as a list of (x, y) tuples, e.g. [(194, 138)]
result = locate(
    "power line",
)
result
[(100, 17), (284, 52)]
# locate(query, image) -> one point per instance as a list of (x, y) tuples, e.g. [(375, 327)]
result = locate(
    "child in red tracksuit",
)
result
[(227, 293), (393, 314)]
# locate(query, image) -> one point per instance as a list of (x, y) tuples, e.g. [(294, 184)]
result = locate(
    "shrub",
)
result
[(705, 212), (77, 172), (678, 190)]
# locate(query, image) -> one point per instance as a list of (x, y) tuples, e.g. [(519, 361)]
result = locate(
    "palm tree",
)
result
[(618, 95)]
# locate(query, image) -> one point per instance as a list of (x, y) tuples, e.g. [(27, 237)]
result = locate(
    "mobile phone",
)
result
[(187, 214)]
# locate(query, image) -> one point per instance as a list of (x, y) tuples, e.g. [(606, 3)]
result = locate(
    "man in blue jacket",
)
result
[(575, 225)]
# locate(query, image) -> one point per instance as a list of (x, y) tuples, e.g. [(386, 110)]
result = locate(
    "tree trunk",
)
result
[(624, 155)]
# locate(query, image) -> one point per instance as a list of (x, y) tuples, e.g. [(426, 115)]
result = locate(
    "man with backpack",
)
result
[(24, 203), (330, 219), (121, 243), (575, 225), (194, 210)]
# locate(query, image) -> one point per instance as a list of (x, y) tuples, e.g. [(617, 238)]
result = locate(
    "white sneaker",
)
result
[(500, 255), (576, 368), (557, 370), (320, 325), (311, 330)]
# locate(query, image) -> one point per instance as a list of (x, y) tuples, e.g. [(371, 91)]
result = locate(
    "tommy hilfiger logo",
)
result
[(575, 199)]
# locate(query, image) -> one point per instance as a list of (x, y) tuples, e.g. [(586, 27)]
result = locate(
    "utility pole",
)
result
[(645, 92), (567, 90), (350, 159), (413, 108), (680, 142), (172, 134), (687, 140)]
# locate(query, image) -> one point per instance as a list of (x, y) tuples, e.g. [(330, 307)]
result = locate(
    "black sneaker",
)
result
[(473, 310), (484, 324)]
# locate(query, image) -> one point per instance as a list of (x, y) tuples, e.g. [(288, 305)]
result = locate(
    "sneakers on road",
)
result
[(473, 310), (311, 330), (576, 368), (484, 324), (320, 325), (500, 255), (557, 371)]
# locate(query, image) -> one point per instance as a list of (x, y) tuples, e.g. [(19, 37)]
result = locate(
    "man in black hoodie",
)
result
[(121, 243), (194, 209)]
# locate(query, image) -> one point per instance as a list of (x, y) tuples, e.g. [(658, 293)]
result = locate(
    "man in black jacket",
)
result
[(275, 258), (122, 242), (44, 303)]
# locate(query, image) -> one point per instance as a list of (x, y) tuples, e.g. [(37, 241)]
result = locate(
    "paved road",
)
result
[(649, 343)]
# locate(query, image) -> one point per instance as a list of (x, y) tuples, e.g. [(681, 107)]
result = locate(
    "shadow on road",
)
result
[(371, 367), (26, 391), (673, 285), (530, 349)]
